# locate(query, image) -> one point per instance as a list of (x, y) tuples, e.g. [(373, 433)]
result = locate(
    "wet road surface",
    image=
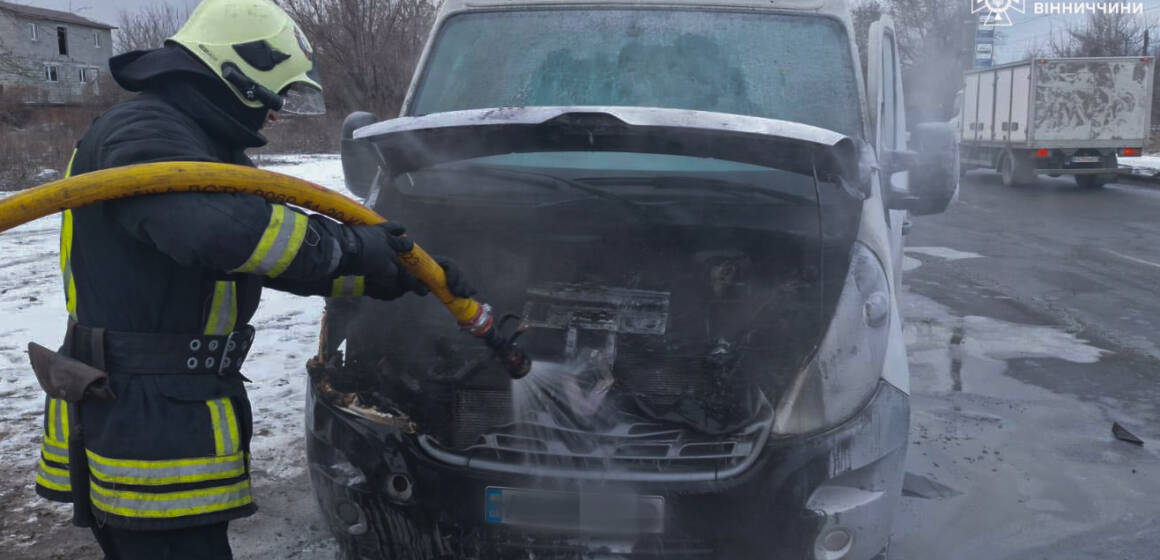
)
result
[(1033, 323)]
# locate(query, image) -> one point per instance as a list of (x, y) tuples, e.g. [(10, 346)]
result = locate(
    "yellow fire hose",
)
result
[(180, 177)]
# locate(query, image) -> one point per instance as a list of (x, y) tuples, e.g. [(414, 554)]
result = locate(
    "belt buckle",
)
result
[(224, 360), (236, 340)]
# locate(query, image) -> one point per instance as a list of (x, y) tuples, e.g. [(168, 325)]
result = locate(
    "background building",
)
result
[(50, 56)]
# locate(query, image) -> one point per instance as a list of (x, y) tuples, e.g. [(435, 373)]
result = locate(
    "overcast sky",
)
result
[(104, 11), (1027, 30)]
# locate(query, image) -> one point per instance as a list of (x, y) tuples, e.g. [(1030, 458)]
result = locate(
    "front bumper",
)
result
[(829, 495), (1078, 171)]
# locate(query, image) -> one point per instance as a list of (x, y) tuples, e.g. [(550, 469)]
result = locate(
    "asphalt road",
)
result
[(1033, 323)]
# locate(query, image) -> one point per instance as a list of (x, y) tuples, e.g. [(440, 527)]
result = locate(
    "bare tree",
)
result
[(365, 50), (148, 27), (11, 63), (936, 44), (865, 13), (1102, 34)]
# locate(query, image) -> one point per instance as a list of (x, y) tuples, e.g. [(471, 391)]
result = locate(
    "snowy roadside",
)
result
[(32, 309), (1145, 166)]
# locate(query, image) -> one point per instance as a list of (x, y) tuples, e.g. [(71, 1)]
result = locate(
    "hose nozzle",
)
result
[(483, 325)]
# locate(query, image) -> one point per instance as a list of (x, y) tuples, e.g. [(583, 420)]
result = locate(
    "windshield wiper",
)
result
[(724, 186), (542, 180)]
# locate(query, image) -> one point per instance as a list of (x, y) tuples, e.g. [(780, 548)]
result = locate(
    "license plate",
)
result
[(588, 513), (1085, 159)]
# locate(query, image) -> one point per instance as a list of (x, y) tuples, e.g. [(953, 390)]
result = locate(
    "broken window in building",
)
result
[(50, 72), (62, 40)]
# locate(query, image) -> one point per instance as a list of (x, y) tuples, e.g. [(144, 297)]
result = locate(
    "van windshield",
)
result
[(790, 67)]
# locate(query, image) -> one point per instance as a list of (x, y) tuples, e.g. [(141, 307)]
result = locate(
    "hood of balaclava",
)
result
[(184, 81)]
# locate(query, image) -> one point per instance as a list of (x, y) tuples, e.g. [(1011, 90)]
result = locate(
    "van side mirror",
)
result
[(933, 169), (360, 160)]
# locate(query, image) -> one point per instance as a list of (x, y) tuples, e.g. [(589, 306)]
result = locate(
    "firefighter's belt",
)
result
[(166, 354)]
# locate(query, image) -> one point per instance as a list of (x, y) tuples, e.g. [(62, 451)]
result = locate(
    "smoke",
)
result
[(935, 46)]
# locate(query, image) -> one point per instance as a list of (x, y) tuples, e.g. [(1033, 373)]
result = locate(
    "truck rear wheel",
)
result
[(1091, 181), (1014, 171)]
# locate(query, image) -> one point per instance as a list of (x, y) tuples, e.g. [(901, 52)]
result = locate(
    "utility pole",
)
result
[(1145, 53)]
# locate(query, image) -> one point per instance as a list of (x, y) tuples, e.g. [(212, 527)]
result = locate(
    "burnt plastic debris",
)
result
[(918, 486), (1123, 434)]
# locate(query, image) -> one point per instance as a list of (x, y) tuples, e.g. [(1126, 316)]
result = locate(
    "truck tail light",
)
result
[(1042, 153), (1129, 152)]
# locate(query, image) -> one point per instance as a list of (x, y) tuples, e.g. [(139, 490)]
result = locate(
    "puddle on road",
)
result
[(946, 349), (998, 465)]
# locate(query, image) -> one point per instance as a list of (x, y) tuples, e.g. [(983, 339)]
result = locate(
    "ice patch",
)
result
[(969, 354), (910, 263), (1004, 340), (944, 253)]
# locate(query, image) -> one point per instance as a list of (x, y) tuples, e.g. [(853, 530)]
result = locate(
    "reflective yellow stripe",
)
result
[(348, 286), (231, 425), (52, 478), (170, 504), (56, 428), (157, 464), (225, 425), (66, 238), (297, 234), (219, 445), (279, 243), (50, 423), (225, 468), (63, 436), (223, 308), (53, 470), (71, 159), (55, 451), (66, 269)]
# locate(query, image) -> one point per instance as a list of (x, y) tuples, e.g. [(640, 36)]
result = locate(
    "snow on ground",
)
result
[(32, 309), (1145, 165), (910, 263), (945, 253)]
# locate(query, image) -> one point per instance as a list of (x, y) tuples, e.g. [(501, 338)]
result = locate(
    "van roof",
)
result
[(836, 7)]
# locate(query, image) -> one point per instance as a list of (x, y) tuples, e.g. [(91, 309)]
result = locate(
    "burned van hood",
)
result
[(411, 143), (684, 281)]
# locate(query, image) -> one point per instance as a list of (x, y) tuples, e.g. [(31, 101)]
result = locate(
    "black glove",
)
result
[(375, 259), (456, 281), (370, 251)]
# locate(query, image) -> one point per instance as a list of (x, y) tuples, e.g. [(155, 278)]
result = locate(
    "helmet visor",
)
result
[(301, 98)]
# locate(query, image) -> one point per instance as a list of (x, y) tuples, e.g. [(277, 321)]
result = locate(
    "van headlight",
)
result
[(845, 370)]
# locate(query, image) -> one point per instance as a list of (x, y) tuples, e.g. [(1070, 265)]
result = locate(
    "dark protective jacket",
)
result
[(173, 450)]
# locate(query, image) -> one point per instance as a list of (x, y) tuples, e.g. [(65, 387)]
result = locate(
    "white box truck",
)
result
[(1055, 116)]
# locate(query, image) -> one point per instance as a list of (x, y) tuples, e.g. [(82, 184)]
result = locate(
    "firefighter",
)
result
[(159, 289)]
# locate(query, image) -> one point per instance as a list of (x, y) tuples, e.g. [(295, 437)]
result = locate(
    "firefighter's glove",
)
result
[(370, 251), (375, 258), (456, 281)]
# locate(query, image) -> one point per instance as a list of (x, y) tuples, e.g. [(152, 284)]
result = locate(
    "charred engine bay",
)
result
[(691, 315)]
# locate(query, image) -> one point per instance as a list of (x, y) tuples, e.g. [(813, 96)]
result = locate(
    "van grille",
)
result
[(630, 451)]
